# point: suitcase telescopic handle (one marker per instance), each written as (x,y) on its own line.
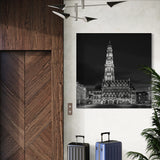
(79,136)
(103,134)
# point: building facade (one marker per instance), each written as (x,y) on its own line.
(117,92)
(143,97)
(113,91)
(81,94)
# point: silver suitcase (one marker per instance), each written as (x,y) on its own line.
(77,150)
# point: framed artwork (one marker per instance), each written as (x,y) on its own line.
(109,71)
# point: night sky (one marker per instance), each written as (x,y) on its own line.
(130,53)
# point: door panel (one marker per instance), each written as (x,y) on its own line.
(40,148)
(12,106)
(26,125)
(38,134)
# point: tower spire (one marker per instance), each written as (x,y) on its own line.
(109,64)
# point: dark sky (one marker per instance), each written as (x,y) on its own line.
(130,52)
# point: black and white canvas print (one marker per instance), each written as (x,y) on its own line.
(109,71)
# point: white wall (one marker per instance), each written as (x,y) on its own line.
(124,124)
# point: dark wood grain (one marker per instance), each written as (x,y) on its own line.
(38,121)
(40,149)
(30,122)
(57,116)
(12,106)
(30,25)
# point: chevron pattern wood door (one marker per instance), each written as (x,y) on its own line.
(38,136)
(12,106)
(26,122)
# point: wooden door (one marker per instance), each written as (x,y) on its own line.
(26,125)
(12,106)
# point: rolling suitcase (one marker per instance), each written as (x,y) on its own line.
(77,150)
(108,150)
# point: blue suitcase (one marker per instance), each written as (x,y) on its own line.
(108,150)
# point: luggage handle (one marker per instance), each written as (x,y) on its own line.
(79,136)
(103,134)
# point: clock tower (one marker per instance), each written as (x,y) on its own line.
(109,64)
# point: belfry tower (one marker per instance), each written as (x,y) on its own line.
(109,65)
